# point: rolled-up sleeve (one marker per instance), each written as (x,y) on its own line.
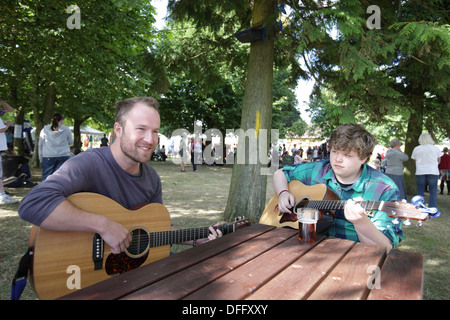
(390,227)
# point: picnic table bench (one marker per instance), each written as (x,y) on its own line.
(264,262)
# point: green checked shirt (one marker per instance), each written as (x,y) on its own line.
(372,185)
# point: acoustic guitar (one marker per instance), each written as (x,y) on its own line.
(66,261)
(319,197)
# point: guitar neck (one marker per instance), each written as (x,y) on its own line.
(340,204)
(162,238)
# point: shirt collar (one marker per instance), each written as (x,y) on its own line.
(358,186)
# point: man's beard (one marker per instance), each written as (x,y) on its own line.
(130,150)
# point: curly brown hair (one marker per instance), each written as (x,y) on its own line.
(353,137)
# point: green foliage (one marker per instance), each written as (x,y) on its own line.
(285,116)
(183,105)
(91,67)
(371,76)
(205,68)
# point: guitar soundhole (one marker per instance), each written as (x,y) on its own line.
(139,242)
(134,256)
(301,204)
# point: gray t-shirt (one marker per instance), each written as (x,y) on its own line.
(394,161)
(55,143)
(94,170)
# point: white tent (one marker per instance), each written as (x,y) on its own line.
(89,130)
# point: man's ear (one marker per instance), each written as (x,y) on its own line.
(118,129)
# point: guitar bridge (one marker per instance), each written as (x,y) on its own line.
(97,252)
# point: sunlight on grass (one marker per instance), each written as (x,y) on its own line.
(199,199)
(433,262)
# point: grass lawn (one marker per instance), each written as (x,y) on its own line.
(199,199)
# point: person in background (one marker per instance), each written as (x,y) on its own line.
(297,158)
(104,141)
(54,145)
(5,107)
(196,153)
(393,161)
(184,149)
(427,157)
(444,170)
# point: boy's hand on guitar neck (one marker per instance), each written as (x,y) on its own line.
(354,212)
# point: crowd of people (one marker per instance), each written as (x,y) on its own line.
(121,172)
(55,147)
(312,153)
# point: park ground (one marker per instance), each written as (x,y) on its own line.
(199,199)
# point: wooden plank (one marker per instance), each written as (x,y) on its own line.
(242,281)
(301,277)
(401,277)
(128,282)
(349,279)
(190,279)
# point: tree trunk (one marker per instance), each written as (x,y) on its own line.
(44,117)
(415,124)
(77,143)
(247,195)
(19,117)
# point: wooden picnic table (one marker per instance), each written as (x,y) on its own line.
(263,262)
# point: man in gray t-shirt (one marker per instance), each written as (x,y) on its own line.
(94,170)
(119,172)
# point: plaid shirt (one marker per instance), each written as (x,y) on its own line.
(372,185)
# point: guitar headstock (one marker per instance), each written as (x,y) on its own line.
(400,210)
(410,211)
(240,223)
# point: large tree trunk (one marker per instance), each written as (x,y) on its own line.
(415,124)
(77,143)
(19,116)
(44,117)
(247,193)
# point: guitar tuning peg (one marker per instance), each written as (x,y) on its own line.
(418,201)
(407,222)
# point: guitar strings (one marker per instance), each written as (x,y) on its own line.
(141,239)
(339,204)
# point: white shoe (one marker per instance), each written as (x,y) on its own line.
(6,199)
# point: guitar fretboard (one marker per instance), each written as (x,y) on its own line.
(338,204)
(162,238)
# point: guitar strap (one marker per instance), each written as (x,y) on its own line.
(18,286)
